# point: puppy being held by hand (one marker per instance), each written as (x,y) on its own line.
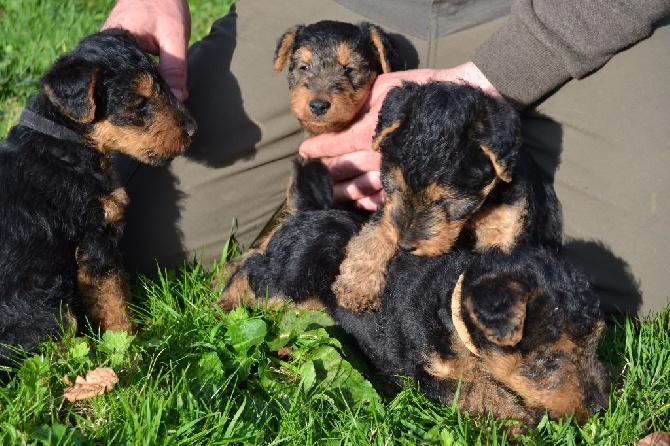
(453,174)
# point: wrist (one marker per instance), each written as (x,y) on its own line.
(470,74)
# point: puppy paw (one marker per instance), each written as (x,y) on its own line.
(360,285)
(237,292)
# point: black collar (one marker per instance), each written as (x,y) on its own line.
(47,127)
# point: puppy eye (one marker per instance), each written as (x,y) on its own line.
(303,68)
(347,69)
(141,103)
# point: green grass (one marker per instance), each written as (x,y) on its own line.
(194,375)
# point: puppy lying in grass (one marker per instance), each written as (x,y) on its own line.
(515,334)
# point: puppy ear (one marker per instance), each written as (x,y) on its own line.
(392,112)
(501,169)
(70,86)
(493,308)
(497,128)
(383,46)
(285,48)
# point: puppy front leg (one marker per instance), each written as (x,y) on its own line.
(360,284)
(102,281)
(106,297)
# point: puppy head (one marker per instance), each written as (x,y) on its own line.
(535,326)
(112,91)
(444,148)
(331,68)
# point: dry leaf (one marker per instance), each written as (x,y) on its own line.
(284,353)
(655,439)
(97,382)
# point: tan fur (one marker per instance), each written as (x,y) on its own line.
(145,85)
(377,42)
(560,395)
(283,54)
(360,283)
(445,233)
(377,142)
(114,205)
(499,226)
(461,329)
(164,137)
(499,168)
(345,100)
(464,366)
(484,396)
(88,117)
(237,292)
(107,299)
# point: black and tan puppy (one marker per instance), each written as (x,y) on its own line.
(518,331)
(453,174)
(61,207)
(303,255)
(331,68)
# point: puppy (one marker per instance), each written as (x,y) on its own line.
(61,207)
(453,175)
(331,69)
(514,334)
(303,256)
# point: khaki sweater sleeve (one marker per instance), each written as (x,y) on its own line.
(548,42)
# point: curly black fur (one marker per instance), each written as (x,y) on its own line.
(442,129)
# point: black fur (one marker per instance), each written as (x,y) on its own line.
(443,125)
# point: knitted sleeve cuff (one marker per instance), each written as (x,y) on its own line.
(518,65)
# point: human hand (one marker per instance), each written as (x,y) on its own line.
(161,27)
(348,155)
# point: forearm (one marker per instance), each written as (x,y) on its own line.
(547,42)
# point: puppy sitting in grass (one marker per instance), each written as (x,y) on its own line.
(453,175)
(61,206)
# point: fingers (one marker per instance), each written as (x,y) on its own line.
(353,164)
(357,137)
(358,188)
(161,27)
(356,178)
(370,203)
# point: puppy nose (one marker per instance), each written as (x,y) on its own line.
(597,403)
(190,128)
(407,246)
(319,106)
